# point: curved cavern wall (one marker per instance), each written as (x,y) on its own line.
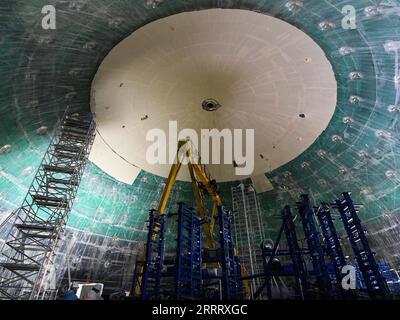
(44,71)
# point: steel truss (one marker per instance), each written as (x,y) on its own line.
(314,245)
(296,253)
(232,285)
(188,279)
(332,242)
(149,280)
(28,254)
(375,284)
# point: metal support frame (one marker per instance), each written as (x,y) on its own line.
(232,285)
(389,274)
(150,277)
(269,255)
(248,232)
(31,244)
(202,183)
(199,176)
(295,252)
(332,242)
(317,254)
(391,277)
(188,278)
(375,284)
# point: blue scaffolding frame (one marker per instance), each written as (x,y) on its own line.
(188,278)
(296,253)
(151,276)
(312,237)
(392,278)
(332,241)
(232,285)
(374,282)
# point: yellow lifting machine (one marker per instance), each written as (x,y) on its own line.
(202,183)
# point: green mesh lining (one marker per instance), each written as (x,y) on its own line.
(44,71)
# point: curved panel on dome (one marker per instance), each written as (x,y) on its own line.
(266,74)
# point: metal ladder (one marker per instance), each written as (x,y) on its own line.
(374,282)
(247,231)
(314,245)
(31,244)
(154,257)
(188,281)
(232,285)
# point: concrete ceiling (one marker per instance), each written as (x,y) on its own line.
(267,75)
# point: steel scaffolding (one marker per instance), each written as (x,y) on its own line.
(188,284)
(232,285)
(296,253)
(332,241)
(31,244)
(248,231)
(150,283)
(317,253)
(375,284)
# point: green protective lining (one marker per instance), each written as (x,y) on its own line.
(42,72)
